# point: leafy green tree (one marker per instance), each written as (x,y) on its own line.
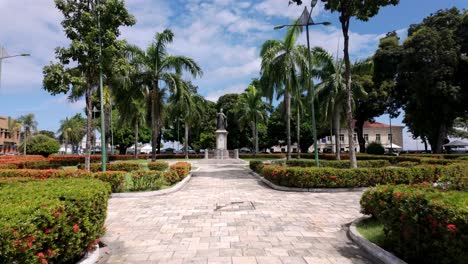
(29,124)
(48,133)
(91,43)
(132,111)
(282,63)
(252,111)
(362,10)
(42,145)
(158,69)
(236,138)
(429,84)
(460,128)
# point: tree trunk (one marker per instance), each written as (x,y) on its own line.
(256,136)
(89,124)
(298,134)
(424,140)
(159,141)
(154,121)
(108,131)
(349,98)
(360,135)
(336,128)
(288,124)
(186,138)
(331,137)
(441,136)
(135,154)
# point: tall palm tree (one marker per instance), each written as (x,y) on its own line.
(157,70)
(14,128)
(189,107)
(252,111)
(282,63)
(72,130)
(30,126)
(332,92)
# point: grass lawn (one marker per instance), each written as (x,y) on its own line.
(69,167)
(372,230)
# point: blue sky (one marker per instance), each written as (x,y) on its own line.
(224,36)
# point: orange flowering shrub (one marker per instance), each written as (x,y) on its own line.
(181,168)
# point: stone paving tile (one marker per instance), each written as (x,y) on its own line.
(224,215)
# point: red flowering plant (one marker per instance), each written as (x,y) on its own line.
(181,168)
(51,221)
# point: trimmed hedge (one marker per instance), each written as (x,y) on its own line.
(143,180)
(158,165)
(341,164)
(421,224)
(117,166)
(181,168)
(262,156)
(114,178)
(158,156)
(256,165)
(53,221)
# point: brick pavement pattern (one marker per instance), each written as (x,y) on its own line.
(225,215)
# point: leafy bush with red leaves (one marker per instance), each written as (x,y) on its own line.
(158,165)
(52,221)
(117,166)
(422,224)
(181,168)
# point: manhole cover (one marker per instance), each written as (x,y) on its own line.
(235,206)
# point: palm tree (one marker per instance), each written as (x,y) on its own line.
(282,62)
(72,130)
(156,70)
(252,111)
(189,107)
(30,126)
(332,89)
(14,128)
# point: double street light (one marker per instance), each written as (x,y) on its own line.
(306,20)
(4,55)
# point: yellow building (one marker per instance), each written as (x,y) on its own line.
(9,142)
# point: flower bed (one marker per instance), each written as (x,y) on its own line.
(52,221)
(362,177)
(114,178)
(422,224)
(144,180)
(262,156)
(158,156)
(181,168)
(158,165)
(340,164)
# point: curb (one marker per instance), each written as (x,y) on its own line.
(172,189)
(371,248)
(312,190)
(90,257)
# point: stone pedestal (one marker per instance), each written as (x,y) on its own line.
(236,154)
(206,153)
(221,139)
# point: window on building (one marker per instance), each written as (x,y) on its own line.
(341,138)
(354,137)
(328,139)
(377,138)
(366,137)
(324,140)
(390,138)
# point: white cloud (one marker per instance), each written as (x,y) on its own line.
(235,89)
(280,8)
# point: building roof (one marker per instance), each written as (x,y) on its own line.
(368,124)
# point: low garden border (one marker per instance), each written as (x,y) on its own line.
(371,248)
(90,257)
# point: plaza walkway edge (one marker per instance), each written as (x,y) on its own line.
(371,248)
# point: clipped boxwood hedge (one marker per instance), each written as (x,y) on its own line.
(421,224)
(158,165)
(341,164)
(262,156)
(52,221)
(144,180)
(117,166)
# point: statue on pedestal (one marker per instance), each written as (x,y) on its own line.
(221,120)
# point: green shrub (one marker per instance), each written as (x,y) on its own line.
(181,168)
(347,178)
(172,176)
(8,166)
(375,148)
(256,165)
(158,165)
(408,164)
(456,175)
(342,164)
(53,221)
(42,145)
(117,166)
(115,179)
(262,156)
(421,224)
(143,180)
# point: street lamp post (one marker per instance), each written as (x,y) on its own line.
(306,19)
(103,126)
(4,55)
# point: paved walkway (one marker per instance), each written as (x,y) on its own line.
(225,215)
